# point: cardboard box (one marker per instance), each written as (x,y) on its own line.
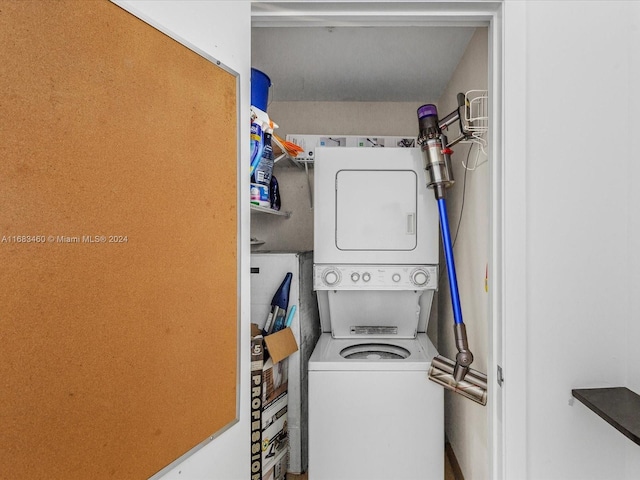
(269,400)
(278,470)
(275,436)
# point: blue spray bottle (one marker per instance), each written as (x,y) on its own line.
(261,157)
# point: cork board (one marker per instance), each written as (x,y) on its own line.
(118,244)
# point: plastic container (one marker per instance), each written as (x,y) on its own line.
(260,84)
(256,144)
(261,176)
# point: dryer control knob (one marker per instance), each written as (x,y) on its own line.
(366,277)
(420,277)
(395,277)
(331,277)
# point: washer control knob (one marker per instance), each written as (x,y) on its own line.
(395,277)
(331,277)
(420,277)
(355,276)
(366,277)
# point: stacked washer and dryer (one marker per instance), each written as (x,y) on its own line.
(373,413)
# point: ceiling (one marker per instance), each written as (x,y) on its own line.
(364,64)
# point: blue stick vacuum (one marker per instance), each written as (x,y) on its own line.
(456,376)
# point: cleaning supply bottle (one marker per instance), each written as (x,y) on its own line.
(255,137)
(261,157)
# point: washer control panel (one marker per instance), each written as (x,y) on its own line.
(375,277)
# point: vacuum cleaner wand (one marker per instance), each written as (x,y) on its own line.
(456,376)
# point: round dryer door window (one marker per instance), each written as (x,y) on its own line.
(375,351)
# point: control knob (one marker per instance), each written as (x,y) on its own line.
(331,277)
(420,277)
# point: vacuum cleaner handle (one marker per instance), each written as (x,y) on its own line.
(464,358)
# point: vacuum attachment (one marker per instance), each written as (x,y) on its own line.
(473,385)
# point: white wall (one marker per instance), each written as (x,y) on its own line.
(581,233)
(633,319)
(222,29)
(466,421)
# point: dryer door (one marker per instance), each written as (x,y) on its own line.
(376,210)
(372,206)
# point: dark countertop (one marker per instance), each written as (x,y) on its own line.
(619,406)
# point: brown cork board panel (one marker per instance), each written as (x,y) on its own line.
(118,244)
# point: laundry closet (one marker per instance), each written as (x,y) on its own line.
(369,82)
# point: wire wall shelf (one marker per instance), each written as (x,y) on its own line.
(476,124)
(477,111)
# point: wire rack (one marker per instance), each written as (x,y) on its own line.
(476,121)
(477,111)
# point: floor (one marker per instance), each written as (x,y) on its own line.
(448,472)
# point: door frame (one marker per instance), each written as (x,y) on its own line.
(507,413)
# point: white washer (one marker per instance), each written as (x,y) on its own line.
(374,418)
(373,413)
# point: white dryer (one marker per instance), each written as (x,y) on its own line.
(373,413)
